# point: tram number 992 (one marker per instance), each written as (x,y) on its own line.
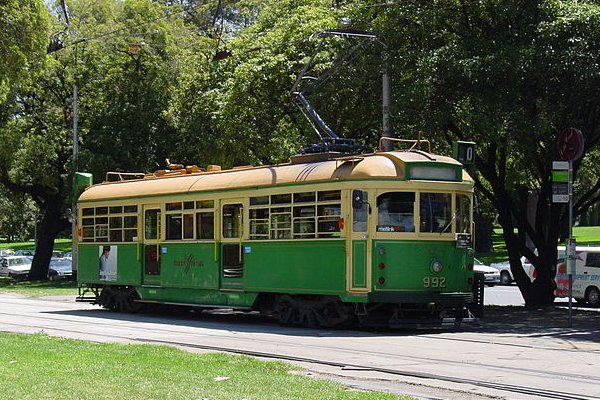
(434,282)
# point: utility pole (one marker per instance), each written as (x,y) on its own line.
(74,191)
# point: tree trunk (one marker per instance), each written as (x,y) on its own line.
(50,226)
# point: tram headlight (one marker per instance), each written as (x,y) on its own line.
(436,266)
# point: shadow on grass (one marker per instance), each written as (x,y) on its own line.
(37,288)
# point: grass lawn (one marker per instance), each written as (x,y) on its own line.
(41,367)
(59,244)
(583,234)
(37,289)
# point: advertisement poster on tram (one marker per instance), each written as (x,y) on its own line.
(107,263)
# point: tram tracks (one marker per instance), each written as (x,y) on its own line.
(55,325)
(530,391)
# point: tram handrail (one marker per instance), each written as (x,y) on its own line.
(416,142)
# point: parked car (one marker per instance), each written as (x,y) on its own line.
(6,252)
(506,276)
(586,279)
(60,268)
(491,275)
(28,253)
(15,266)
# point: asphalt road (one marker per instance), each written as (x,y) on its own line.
(505,359)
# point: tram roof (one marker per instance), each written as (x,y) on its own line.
(386,165)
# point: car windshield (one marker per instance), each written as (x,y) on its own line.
(60,265)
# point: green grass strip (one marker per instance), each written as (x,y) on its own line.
(42,367)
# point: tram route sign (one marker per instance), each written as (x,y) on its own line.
(464,152)
(560,182)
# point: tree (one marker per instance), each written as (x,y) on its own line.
(507,75)
(23,37)
(124,91)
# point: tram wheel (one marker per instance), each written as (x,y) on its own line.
(121,299)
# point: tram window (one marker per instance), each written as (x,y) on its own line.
(188,205)
(360,214)
(436,214)
(174,225)
(395,212)
(88,221)
(232,220)
(129,235)
(130,221)
(173,206)
(88,233)
(205,204)
(116,235)
(330,195)
(101,233)
(205,225)
(463,213)
(328,220)
(306,197)
(152,224)
(101,221)
(259,201)
(101,210)
(130,209)
(116,222)
(281,198)
(259,223)
(116,210)
(188,226)
(281,222)
(304,220)
(87,211)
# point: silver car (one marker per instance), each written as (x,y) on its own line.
(15,266)
(60,268)
(491,275)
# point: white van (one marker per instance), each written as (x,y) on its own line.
(586,280)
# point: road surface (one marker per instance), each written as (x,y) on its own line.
(505,359)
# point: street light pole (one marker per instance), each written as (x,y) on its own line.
(74,191)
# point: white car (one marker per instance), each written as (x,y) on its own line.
(15,266)
(506,276)
(586,279)
(491,275)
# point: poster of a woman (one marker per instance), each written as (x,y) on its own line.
(107,263)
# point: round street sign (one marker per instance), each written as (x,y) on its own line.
(570,144)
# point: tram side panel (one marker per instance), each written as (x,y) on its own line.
(307,267)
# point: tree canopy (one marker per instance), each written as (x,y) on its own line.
(208,82)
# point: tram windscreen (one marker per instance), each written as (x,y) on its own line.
(395,212)
(435,212)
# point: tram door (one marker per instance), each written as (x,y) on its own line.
(151,245)
(358,276)
(232,249)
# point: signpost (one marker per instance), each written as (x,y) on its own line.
(570,148)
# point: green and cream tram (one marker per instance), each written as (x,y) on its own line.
(378,239)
